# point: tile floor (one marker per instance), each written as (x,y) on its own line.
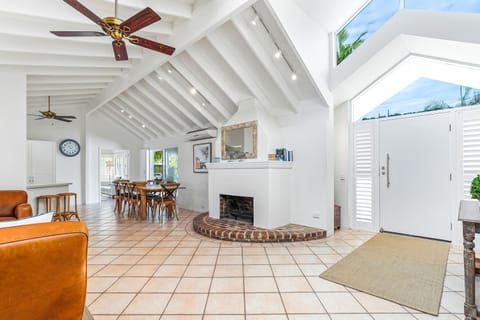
(146,270)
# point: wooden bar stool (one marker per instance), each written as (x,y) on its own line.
(51,202)
(64,207)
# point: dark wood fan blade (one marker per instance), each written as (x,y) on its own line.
(139,21)
(85,11)
(32,114)
(149,44)
(78,33)
(40,118)
(120,50)
(67,117)
(62,119)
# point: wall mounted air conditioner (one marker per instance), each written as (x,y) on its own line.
(202,134)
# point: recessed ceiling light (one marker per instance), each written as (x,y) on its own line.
(122,111)
(203,104)
(278,54)
(160,78)
(169,71)
(193,91)
(294,76)
(254,21)
(130,117)
(143,126)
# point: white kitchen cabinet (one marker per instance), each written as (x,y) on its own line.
(41,162)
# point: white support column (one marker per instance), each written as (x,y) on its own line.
(13,131)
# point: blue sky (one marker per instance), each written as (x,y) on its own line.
(418,95)
(377,12)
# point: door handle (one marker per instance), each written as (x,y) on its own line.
(388,170)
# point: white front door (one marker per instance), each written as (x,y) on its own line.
(415,180)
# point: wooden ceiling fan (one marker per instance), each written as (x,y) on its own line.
(119,30)
(52,115)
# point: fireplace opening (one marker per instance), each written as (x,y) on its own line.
(236,208)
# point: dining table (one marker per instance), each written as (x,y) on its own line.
(152,188)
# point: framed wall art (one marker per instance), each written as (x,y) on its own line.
(202,154)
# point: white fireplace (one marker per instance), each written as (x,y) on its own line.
(267,182)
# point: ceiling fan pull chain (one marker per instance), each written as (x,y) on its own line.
(116,8)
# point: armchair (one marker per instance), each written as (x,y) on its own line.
(44,271)
(13,205)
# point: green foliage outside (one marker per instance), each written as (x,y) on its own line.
(158,157)
(436,105)
(475,189)
(345,49)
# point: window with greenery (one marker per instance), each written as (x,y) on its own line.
(157,164)
(363,25)
(444,5)
(426,95)
(164,164)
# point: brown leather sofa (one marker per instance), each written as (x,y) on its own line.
(13,205)
(43,271)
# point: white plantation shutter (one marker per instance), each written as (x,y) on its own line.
(471,149)
(364,173)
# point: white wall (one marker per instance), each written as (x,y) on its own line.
(103,133)
(13,131)
(195,196)
(68,169)
(341,162)
(306,134)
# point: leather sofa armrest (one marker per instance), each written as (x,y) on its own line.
(23,210)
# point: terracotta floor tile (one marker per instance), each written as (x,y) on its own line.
(141,270)
(128,284)
(290,270)
(258,271)
(293,284)
(182,303)
(170,271)
(199,271)
(262,303)
(228,271)
(177,260)
(376,305)
(115,270)
(340,302)
(260,284)
(225,303)
(148,303)
(100,284)
(111,303)
(193,285)
(302,303)
(229,285)
(161,285)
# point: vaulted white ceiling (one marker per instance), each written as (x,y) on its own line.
(222,58)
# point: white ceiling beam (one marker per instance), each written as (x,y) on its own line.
(62,92)
(155,115)
(172,8)
(232,59)
(207,17)
(64,86)
(172,100)
(187,97)
(83,97)
(141,87)
(198,85)
(266,60)
(28,59)
(63,47)
(109,112)
(137,111)
(39,28)
(56,105)
(136,120)
(220,77)
(60,11)
(35,79)
(62,71)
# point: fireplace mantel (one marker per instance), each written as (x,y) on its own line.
(250,165)
(268,182)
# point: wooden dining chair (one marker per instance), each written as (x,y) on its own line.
(167,202)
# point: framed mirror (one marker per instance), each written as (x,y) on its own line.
(239,141)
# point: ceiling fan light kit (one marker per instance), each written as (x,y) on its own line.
(119,30)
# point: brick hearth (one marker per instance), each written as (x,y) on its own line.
(238,231)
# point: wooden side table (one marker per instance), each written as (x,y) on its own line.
(469,214)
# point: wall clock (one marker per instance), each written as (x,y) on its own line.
(69,147)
